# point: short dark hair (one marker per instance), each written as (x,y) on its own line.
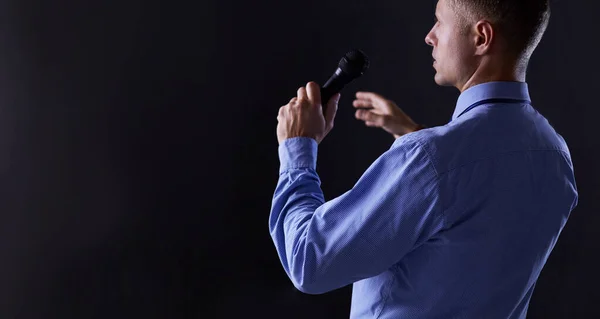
(521,22)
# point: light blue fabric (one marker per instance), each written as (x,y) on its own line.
(454,221)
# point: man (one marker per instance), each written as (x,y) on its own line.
(454,221)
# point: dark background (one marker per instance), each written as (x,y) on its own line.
(138,153)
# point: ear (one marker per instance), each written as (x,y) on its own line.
(484,36)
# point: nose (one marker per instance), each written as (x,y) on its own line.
(428,39)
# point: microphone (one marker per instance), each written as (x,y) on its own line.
(351,66)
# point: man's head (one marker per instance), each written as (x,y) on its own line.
(477,41)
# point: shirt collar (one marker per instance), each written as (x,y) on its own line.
(490,90)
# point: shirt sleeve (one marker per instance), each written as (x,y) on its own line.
(324,246)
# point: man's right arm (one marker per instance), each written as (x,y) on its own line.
(327,245)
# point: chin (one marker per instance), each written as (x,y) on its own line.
(441,81)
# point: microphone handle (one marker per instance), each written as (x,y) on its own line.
(334,85)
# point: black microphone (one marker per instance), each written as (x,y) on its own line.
(351,66)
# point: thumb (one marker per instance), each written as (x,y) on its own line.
(332,106)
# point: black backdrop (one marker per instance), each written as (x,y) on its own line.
(138,151)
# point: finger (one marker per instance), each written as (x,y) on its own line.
(367,116)
(361,114)
(293,100)
(332,107)
(362,103)
(314,93)
(302,93)
(369,96)
(377,101)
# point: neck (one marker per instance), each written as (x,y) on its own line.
(491,72)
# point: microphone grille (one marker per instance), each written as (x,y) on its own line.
(354,63)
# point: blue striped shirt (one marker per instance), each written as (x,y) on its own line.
(454,221)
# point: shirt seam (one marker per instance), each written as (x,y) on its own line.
(441,216)
(429,157)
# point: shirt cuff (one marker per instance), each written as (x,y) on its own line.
(298,152)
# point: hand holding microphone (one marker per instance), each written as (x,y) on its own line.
(303,115)
(311,113)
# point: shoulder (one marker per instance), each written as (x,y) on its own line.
(415,150)
(427,141)
(444,146)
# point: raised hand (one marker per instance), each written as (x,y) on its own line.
(377,111)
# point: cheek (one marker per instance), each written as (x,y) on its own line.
(445,47)
(454,50)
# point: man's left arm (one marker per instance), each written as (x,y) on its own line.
(324,246)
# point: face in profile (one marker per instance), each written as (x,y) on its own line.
(453,50)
